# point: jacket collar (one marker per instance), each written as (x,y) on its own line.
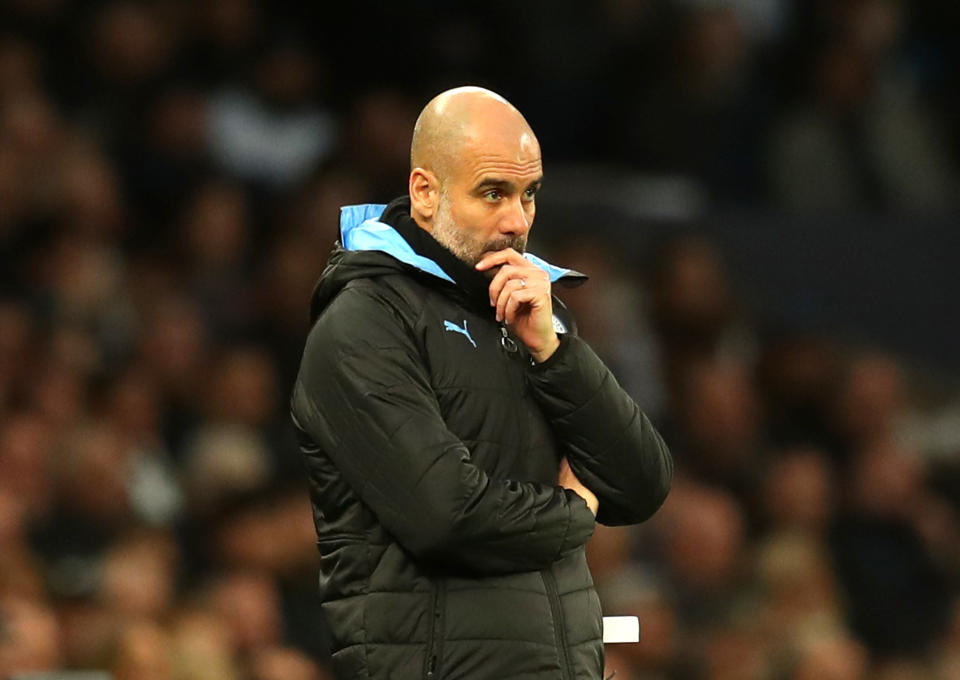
(361,229)
(390,229)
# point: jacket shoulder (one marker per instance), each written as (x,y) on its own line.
(397,294)
(369,312)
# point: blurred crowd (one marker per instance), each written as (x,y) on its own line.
(812,530)
(170,178)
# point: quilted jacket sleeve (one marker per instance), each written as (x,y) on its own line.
(363,395)
(611,445)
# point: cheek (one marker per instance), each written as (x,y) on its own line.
(476,220)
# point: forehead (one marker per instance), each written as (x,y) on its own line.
(512,155)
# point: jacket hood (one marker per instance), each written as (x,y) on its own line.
(377,239)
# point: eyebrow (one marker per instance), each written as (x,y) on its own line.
(494,183)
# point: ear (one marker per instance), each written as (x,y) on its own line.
(424,193)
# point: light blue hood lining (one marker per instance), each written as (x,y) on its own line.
(360,229)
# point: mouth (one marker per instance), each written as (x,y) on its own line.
(517,244)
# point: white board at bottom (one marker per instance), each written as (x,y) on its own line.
(621,629)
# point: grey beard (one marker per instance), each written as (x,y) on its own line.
(465,248)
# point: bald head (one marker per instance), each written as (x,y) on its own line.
(475,172)
(458,117)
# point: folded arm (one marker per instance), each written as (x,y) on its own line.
(364,396)
(610,444)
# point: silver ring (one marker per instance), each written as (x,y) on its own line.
(523,283)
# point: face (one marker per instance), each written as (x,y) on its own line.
(488,202)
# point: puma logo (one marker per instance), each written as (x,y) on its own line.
(450,326)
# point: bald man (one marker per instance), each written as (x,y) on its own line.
(461,440)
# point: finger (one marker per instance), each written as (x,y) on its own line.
(527,271)
(511,289)
(525,290)
(532,279)
(500,257)
(507,273)
(538,277)
(515,301)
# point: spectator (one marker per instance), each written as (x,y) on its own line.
(170,175)
(863,137)
(273,132)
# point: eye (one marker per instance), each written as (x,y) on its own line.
(493,195)
(530,193)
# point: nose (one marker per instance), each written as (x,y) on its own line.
(517,220)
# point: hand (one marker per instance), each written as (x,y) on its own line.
(520,291)
(568,480)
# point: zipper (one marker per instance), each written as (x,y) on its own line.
(506,341)
(515,353)
(511,346)
(559,625)
(435,638)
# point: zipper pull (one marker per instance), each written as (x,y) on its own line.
(506,341)
(431,666)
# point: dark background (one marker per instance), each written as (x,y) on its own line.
(764,193)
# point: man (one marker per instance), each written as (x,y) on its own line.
(459,447)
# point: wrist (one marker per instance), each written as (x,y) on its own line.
(543,353)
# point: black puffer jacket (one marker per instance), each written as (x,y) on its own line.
(433,444)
